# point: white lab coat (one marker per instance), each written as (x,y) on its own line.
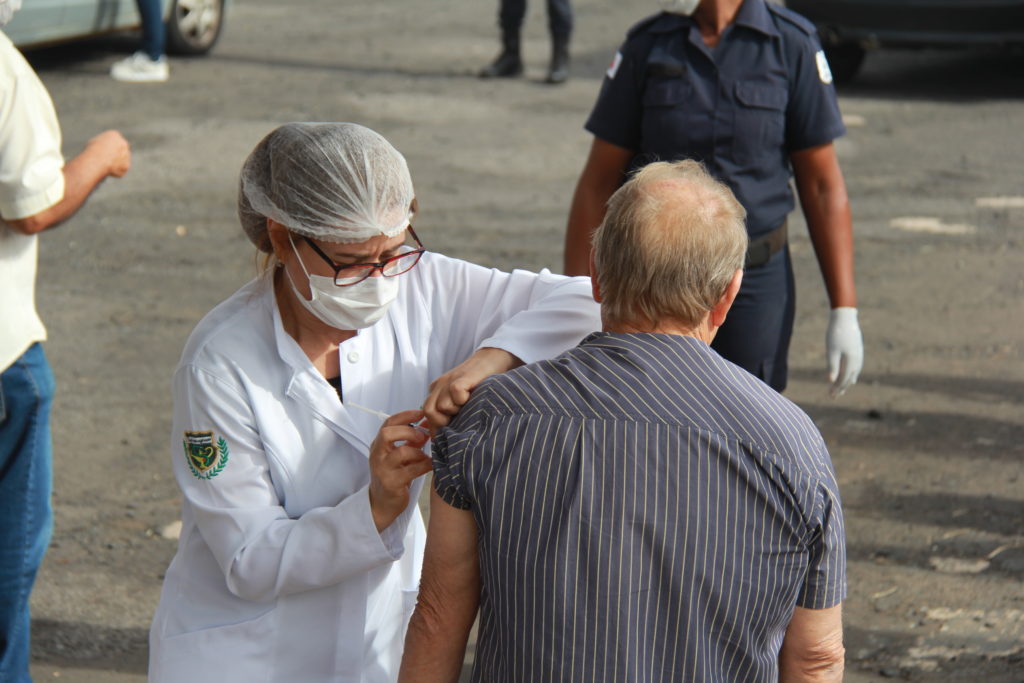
(280,574)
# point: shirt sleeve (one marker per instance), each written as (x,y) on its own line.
(533,316)
(223,471)
(452,450)
(31,165)
(617,113)
(812,116)
(825,585)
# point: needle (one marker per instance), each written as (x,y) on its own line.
(384,416)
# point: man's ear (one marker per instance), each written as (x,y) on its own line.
(718,313)
(594,287)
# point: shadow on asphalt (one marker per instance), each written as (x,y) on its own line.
(891,655)
(88,646)
(940,434)
(945,509)
(965,388)
(70,56)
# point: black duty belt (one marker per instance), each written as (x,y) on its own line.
(759,251)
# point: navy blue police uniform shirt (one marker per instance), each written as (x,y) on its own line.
(740,108)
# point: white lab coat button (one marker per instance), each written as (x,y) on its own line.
(353,356)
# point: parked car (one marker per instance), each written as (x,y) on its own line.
(193,26)
(850,27)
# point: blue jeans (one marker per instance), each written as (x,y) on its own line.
(26,393)
(152,28)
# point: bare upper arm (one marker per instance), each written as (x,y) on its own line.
(606,163)
(450,562)
(813,647)
(435,644)
(816,167)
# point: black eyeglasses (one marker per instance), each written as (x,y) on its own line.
(348,275)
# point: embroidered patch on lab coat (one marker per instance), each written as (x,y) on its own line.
(824,73)
(613,68)
(205,459)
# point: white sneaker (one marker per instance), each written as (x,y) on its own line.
(140,68)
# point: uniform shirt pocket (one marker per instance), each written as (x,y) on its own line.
(669,117)
(667,86)
(759,131)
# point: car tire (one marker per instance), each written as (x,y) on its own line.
(844,61)
(193,26)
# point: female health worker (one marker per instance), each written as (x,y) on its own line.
(301,541)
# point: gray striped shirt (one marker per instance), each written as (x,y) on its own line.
(647,511)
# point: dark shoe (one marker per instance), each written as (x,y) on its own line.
(507,65)
(559,71)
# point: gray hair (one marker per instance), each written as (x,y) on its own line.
(670,243)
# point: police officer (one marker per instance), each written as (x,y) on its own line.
(509,62)
(742,86)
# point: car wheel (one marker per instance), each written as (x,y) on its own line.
(844,60)
(193,26)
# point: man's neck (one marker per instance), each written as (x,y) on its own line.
(701,331)
(713,17)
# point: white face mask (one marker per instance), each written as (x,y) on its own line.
(346,308)
(7,9)
(686,7)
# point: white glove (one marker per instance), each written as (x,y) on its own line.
(845,349)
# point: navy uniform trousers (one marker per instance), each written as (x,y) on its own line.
(759,325)
(512,13)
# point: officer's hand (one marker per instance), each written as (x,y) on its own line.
(845,349)
(451,390)
(114,150)
(396,458)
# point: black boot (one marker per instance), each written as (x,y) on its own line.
(559,71)
(508,64)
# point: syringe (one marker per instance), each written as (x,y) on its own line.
(384,416)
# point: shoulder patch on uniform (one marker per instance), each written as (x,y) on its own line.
(205,458)
(824,72)
(613,68)
(798,20)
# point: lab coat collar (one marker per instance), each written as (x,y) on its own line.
(308,386)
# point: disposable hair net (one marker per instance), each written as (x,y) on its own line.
(336,182)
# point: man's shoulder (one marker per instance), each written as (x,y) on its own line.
(771,420)
(533,378)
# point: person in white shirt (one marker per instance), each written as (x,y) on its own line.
(301,542)
(38,191)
